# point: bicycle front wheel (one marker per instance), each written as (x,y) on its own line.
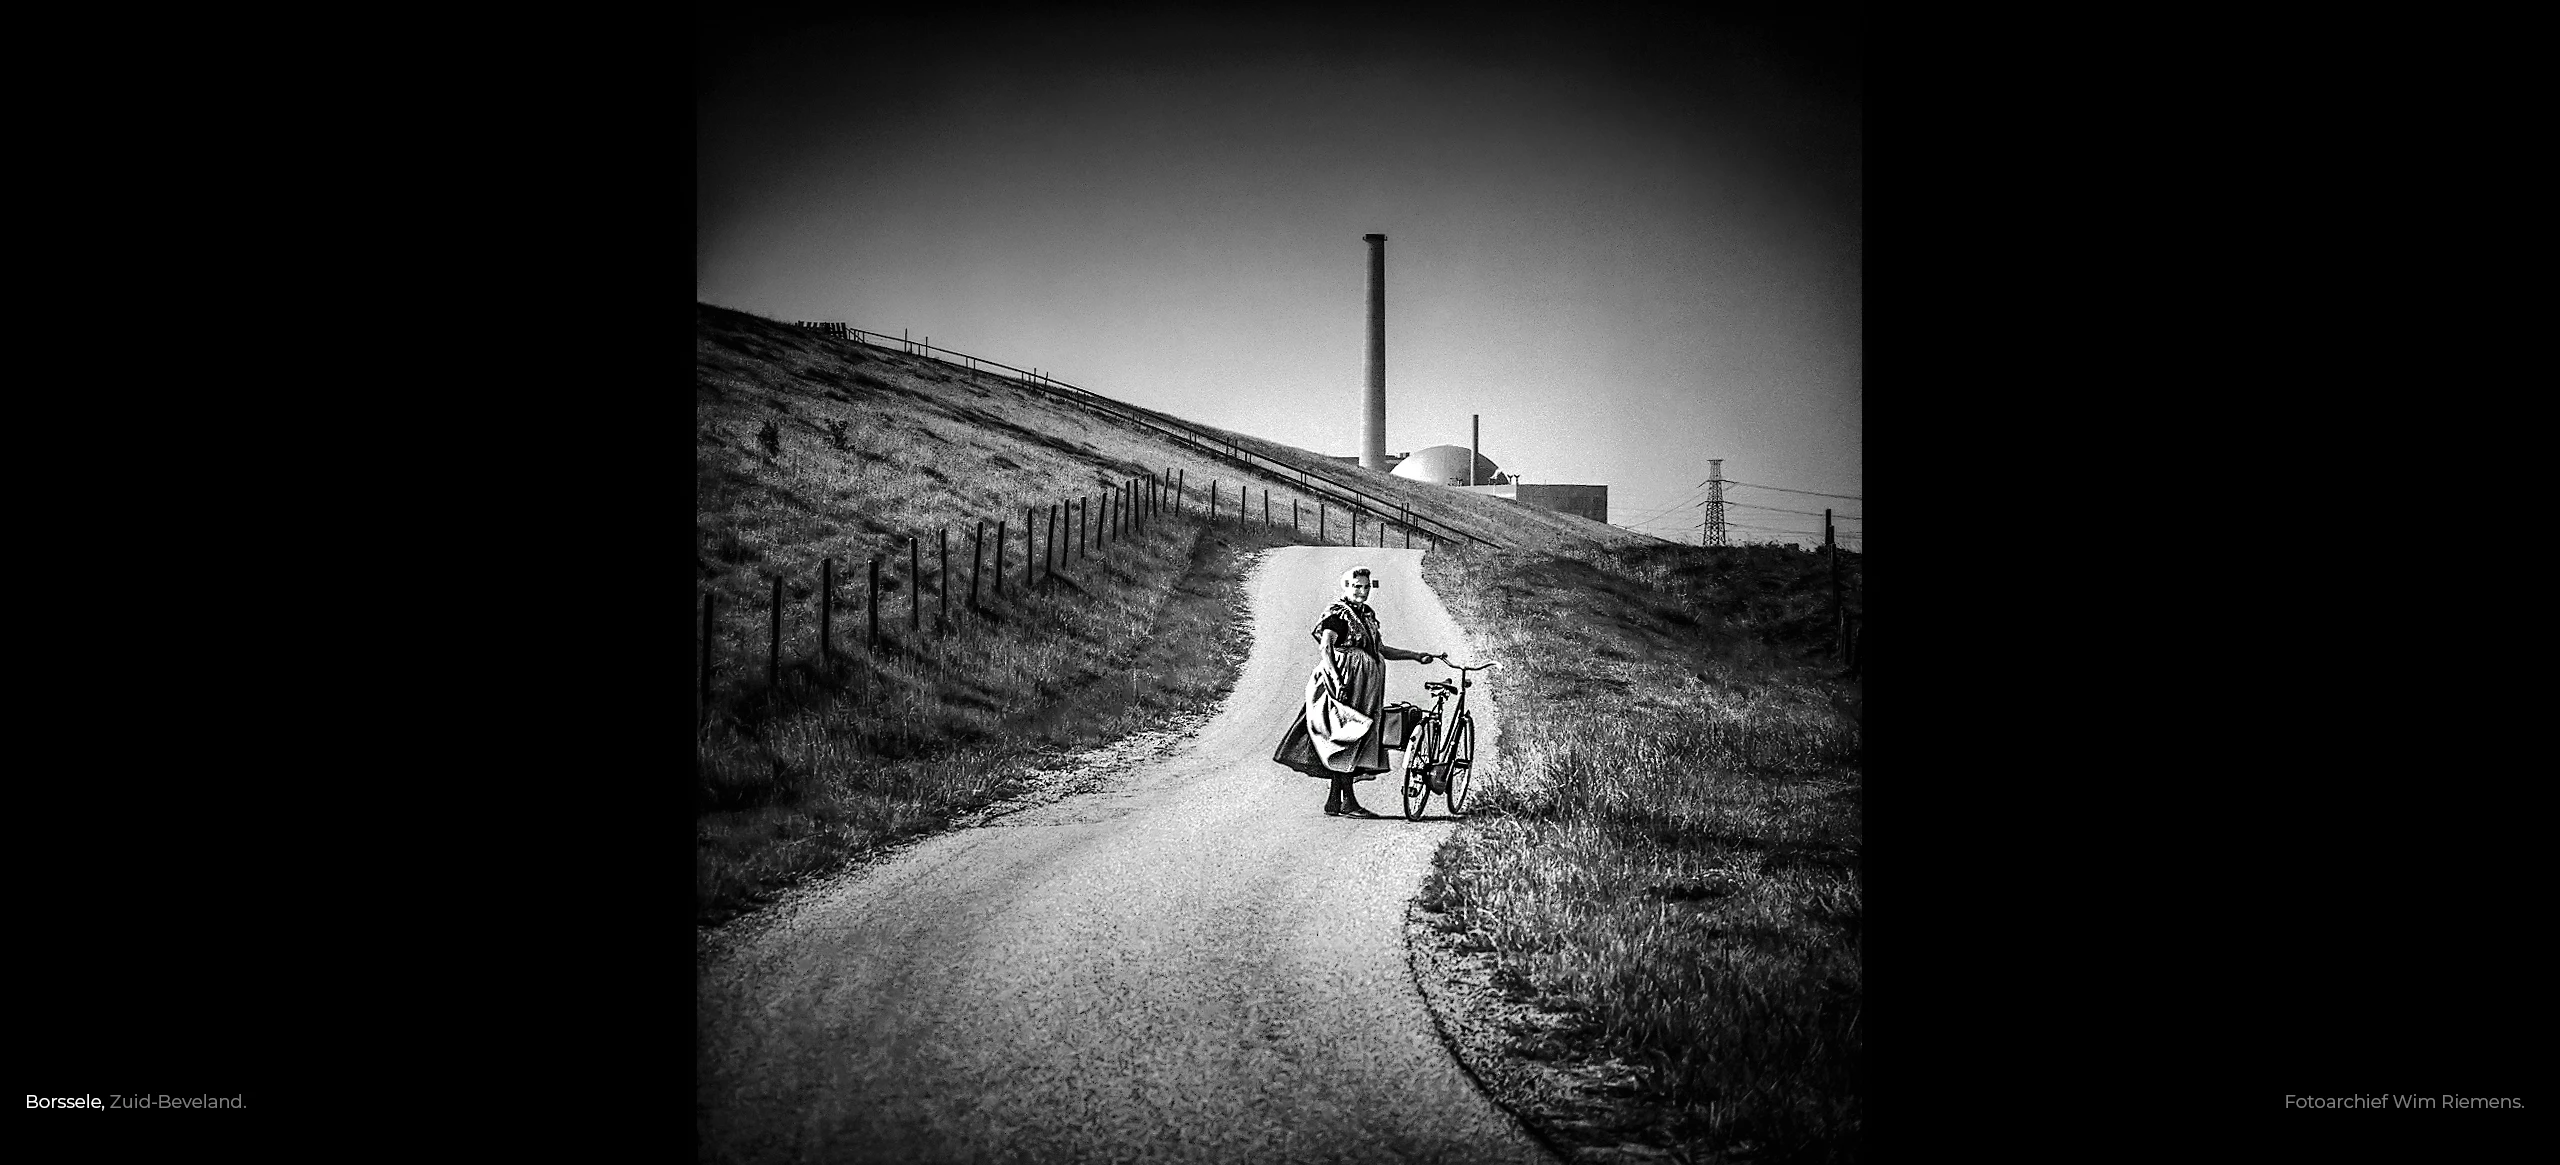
(1462,765)
(1418,754)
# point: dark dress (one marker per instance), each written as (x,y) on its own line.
(1364,680)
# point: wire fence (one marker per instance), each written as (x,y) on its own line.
(1056,538)
(1070,531)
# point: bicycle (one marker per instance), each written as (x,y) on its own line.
(1442,760)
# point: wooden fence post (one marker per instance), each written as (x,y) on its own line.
(1177,494)
(1049,559)
(874,605)
(1266,507)
(1028,562)
(915,591)
(1319,523)
(1084,507)
(999,557)
(706,653)
(942,580)
(826,610)
(773,656)
(1293,517)
(1213,499)
(977,552)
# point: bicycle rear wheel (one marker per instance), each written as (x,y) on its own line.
(1462,765)
(1418,754)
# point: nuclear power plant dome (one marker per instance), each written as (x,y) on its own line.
(1447,465)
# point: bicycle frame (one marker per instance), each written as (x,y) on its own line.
(1444,744)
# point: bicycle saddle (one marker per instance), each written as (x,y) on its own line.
(1440,686)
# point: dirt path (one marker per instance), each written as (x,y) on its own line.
(1188,963)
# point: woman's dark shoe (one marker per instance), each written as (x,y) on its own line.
(1354,809)
(1333,810)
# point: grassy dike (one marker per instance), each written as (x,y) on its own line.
(808,448)
(884,746)
(1664,880)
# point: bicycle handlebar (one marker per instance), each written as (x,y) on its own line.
(1466,666)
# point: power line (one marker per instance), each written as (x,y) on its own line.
(1785,490)
(1682,504)
(1806,513)
(1674,520)
(1807,492)
(1780,530)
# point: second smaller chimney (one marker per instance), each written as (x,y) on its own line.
(1475,445)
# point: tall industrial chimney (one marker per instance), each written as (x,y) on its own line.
(1475,445)
(1373,425)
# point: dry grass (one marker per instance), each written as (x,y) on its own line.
(846,760)
(1671,861)
(955,704)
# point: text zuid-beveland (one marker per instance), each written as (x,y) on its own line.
(164,1100)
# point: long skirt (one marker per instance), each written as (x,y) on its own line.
(1364,682)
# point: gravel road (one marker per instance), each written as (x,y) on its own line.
(1189,963)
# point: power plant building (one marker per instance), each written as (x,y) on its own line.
(1581,501)
(1447,465)
(1455,466)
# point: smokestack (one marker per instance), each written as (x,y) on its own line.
(1475,445)
(1373,425)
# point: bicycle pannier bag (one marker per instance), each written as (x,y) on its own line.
(1396,723)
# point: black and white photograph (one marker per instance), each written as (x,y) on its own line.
(1280,588)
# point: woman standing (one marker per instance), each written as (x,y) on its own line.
(1350,677)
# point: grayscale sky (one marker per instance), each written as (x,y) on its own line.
(1630,240)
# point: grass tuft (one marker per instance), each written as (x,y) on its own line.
(1670,861)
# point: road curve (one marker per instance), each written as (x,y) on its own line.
(1192,963)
